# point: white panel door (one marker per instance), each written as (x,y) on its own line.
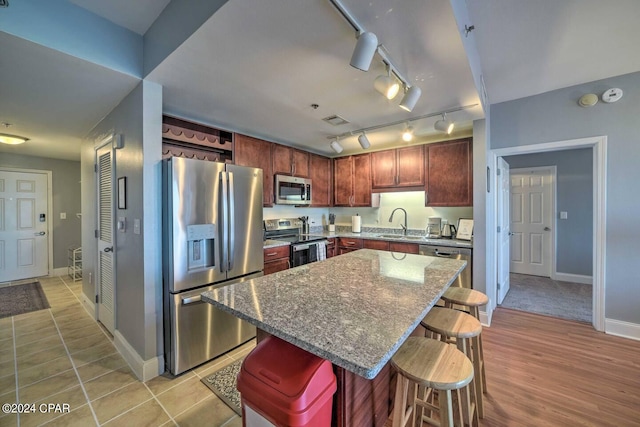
(24,245)
(106,267)
(531,219)
(504,229)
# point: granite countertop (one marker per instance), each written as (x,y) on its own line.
(354,310)
(271,243)
(421,240)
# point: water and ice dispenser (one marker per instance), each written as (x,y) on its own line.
(201,246)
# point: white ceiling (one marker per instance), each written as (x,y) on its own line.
(256,66)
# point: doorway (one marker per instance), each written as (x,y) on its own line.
(597,147)
(25,224)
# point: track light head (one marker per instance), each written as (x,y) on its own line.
(335,145)
(407,135)
(365,49)
(444,125)
(410,98)
(364,141)
(387,85)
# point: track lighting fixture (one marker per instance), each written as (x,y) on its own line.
(407,135)
(365,49)
(335,145)
(410,98)
(364,141)
(444,125)
(387,85)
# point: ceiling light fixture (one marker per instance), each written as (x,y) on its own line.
(407,135)
(12,139)
(406,122)
(410,98)
(444,125)
(364,141)
(365,49)
(387,85)
(335,145)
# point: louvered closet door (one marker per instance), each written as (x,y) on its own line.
(106,268)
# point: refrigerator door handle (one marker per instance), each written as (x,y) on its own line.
(231,221)
(224,219)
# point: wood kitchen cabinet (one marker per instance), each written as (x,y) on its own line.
(331,247)
(320,172)
(449,173)
(348,244)
(405,248)
(380,245)
(399,168)
(256,153)
(290,161)
(352,180)
(276,259)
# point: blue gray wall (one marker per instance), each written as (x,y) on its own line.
(555,116)
(65,175)
(574,194)
(138,118)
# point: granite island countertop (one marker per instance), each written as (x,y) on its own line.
(354,310)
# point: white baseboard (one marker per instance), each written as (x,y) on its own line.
(622,329)
(144,369)
(88,305)
(574,278)
(62,271)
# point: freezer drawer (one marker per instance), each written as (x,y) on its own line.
(196,331)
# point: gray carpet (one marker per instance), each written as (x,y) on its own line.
(20,299)
(543,295)
(223,384)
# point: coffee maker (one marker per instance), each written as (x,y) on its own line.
(434,224)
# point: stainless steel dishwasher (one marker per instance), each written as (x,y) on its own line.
(464,279)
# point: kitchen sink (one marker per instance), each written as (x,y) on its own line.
(399,236)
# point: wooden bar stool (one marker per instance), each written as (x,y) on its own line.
(472,299)
(435,365)
(466,329)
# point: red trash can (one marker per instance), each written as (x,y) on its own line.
(286,386)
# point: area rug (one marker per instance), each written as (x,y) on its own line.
(543,295)
(20,299)
(223,384)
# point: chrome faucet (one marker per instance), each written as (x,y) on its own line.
(404,227)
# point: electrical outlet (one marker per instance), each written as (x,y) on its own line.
(563,215)
(63,215)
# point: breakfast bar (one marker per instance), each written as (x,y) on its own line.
(354,310)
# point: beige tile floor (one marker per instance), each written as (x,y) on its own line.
(63,356)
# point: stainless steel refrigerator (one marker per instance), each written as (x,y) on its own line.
(213,232)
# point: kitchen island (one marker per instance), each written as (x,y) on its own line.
(354,310)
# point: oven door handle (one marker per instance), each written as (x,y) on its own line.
(298,248)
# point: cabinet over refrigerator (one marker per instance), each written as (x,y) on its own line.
(212,236)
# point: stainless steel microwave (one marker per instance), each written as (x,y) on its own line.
(291,190)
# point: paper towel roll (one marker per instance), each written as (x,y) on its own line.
(356,224)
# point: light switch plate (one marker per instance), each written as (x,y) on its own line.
(136,226)
(63,215)
(563,215)
(122,224)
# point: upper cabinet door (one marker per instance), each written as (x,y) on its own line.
(321,180)
(256,153)
(449,177)
(342,181)
(410,169)
(362,180)
(290,161)
(399,168)
(383,169)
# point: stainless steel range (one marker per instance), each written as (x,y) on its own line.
(304,248)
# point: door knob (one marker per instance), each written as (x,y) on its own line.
(41,233)
(109,249)
(547,229)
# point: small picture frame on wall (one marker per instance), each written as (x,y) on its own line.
(122,192)
(465,229)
